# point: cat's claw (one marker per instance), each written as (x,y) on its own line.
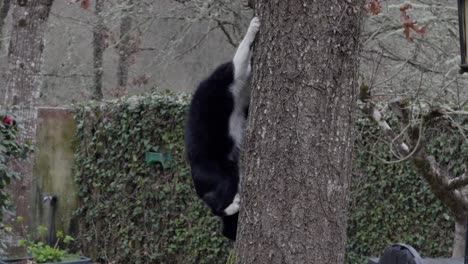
(254,25)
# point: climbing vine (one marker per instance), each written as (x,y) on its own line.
(132,212)
(392,203)
(10,148)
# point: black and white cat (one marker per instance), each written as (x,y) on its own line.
(213,133)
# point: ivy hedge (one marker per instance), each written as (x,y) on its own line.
(131,212)
(391,202)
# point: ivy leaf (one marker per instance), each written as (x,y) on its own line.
(59,234)
(68,239)
(41,229)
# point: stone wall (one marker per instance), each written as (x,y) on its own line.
(52,174)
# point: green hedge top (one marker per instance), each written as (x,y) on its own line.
(391,202)
(132,212)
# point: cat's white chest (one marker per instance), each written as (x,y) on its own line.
(236,127)
(237,118)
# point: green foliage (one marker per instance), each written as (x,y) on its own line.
(135,213)
(10,148)
(43,253)
(131,212)
(232,257)
(392,203)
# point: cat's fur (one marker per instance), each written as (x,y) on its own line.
(213,134)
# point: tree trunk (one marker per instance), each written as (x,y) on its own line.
(4,9)
(298,146)
(24,81)
(98,50)
(458,250)
(125,47)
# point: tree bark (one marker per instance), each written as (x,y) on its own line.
(98,51)
(298,145)
(458,250)
(125,47)
(24,81)
(4,9)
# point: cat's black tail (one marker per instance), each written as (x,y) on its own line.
(230,226)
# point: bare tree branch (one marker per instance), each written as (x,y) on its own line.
(459,182)
(371,111)
(440,181)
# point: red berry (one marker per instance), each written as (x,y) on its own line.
(7,120)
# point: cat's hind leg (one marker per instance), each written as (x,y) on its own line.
(230,226)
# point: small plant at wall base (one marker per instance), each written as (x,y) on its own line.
(39,252)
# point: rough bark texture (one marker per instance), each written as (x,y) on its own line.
(125,47)
(298,145)
(4,9)
(98,50)
(459,238)
(24,81)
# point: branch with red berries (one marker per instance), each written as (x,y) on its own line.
(374,7)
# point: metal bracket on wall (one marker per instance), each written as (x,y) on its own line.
(156,157)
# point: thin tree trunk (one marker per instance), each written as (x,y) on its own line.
(24,81)
(4,9)
(98,52)
(298,146)
(459,238)
(459,235)
(125,47)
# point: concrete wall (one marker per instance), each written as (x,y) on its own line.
(53,169)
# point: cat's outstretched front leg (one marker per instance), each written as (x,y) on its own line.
(239,90)
(243,54)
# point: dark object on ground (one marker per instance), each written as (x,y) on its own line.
(404,254)
(400,254)
(428,261)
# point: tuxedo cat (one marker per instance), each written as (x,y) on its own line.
(213,133)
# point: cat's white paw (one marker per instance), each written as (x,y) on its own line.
(237,198)
(234,207)
(254,25)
